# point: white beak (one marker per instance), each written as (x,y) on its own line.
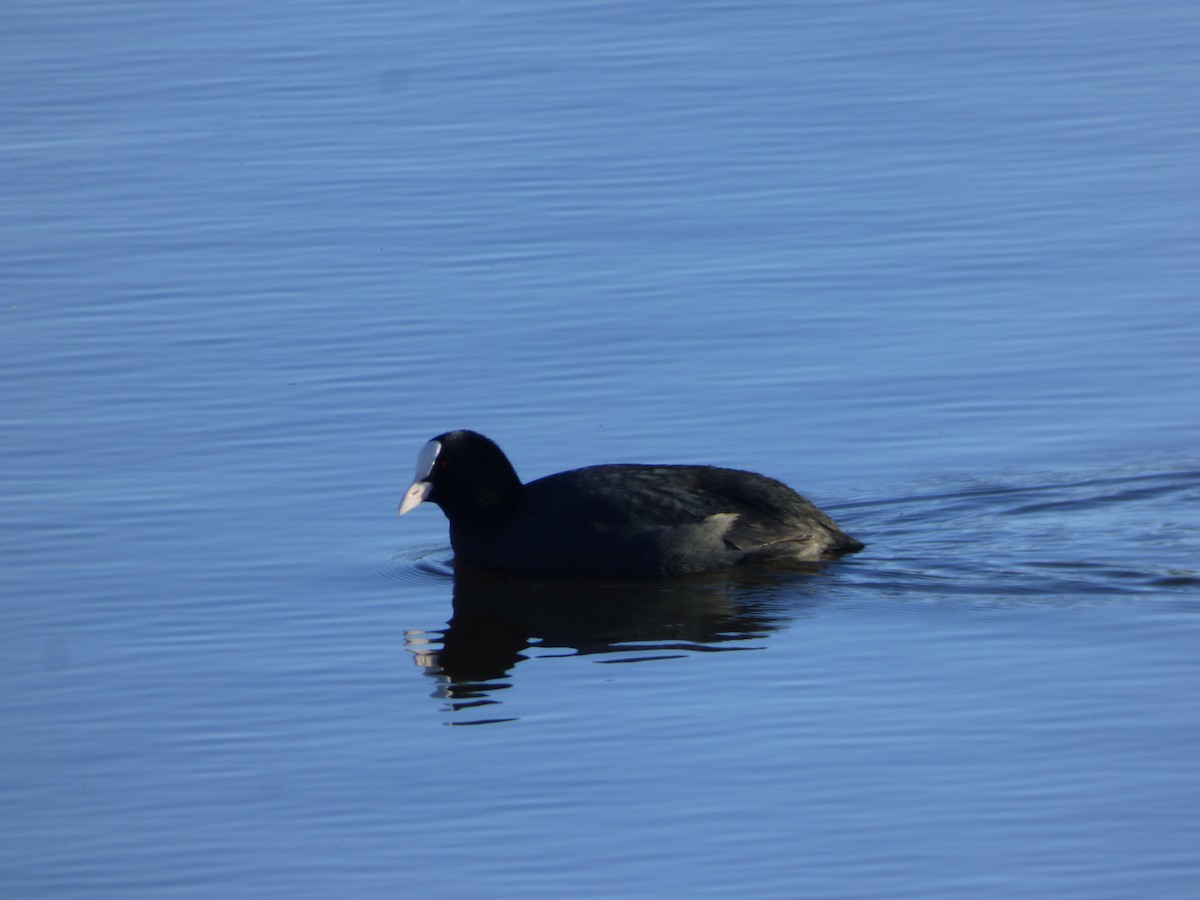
(416,492)
(420,488)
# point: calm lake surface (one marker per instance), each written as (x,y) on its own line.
(936,268)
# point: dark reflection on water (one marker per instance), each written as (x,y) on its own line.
(499,620)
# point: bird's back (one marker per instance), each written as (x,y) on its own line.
(647,520)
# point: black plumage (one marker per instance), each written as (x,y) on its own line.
(620,520)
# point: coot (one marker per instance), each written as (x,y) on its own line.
(615,520)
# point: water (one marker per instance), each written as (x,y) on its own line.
(934,268)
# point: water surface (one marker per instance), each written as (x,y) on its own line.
(935,268)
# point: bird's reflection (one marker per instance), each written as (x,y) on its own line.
(499,620)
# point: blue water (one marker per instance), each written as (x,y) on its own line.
(934,267)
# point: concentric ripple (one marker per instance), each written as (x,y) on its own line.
(420,565)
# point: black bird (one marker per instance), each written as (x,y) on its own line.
(615,520)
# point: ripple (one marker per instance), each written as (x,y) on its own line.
(420,565)
(1177,581)
(1032,494)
